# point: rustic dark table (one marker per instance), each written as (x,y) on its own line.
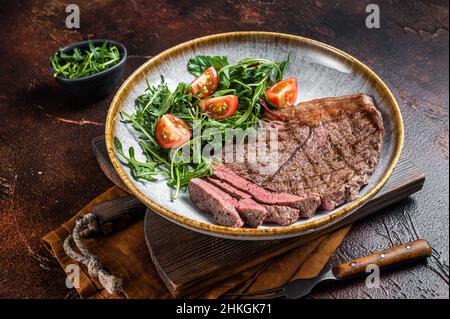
(48,172)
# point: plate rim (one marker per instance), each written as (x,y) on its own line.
(242,233)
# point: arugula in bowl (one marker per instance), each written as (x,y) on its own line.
(80,63)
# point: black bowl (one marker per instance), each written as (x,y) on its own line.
(96,85)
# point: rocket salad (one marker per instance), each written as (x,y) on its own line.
(222,96)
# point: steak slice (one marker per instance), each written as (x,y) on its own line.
(306,205)
(228,188)
(217,203)
(253,213)
(227,211)
(282,215)
(341,153)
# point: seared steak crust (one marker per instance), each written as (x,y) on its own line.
(288,139)
(340,154)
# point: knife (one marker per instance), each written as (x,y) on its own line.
(299,288)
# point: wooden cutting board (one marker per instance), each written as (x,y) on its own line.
(188,261)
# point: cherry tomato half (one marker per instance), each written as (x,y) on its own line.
(171,131)
(283,93)
(207,82)
(220,107)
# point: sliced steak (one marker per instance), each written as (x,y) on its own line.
(227,210)
(281,215)
(327,150)
(252,213)
(328,147)
(306,205)
(278,214)
(209,200)
(228,188)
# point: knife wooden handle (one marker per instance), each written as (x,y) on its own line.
(404,253)
(117,213)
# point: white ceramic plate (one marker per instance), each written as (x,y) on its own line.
(321,70)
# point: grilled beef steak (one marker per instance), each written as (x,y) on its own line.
(340,154)
(327,150)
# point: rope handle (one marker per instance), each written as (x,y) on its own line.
(86,226)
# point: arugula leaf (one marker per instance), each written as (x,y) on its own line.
(248,79)
(200,63)
(139,170)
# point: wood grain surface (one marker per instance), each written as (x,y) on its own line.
(48,171)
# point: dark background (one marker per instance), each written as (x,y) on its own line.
(48,172)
